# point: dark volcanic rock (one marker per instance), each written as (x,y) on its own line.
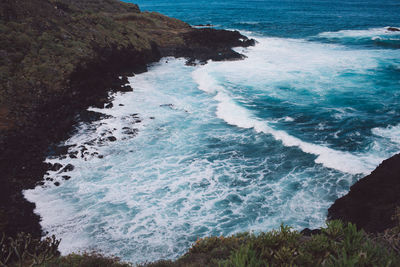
(309,232)
(372,201)
(204,44)
(55,167)
(204,25)
(67,168)
(111,139)
(393,29)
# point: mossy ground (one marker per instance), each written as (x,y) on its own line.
(43,42)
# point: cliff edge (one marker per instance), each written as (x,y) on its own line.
(372,201)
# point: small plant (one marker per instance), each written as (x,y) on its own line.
(23,250)
(338,244)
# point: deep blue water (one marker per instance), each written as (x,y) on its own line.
(234,146)
(283,18)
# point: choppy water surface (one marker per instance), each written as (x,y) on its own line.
(232,146)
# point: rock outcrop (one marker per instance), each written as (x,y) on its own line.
(393,29)
(372,201)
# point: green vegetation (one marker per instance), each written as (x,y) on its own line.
(44,42)
(338,244)
(24,250)
(86,260)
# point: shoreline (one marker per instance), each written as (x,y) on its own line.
(40,126)
(24,150)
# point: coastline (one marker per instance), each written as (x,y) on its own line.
(25,149)
(40,124)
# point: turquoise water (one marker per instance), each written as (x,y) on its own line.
(234,146)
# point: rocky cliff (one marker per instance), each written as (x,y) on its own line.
(372,201)
(57,57)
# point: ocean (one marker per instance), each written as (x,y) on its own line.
(233,146)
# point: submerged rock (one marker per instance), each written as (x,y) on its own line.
(66,177)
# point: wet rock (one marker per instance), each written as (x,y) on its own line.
(58,151)
(130,131)
(55,167)
(91,142)
(109,105)
(91,116)
(67,168)
(111,139)
(126,88)
(57,183)
(204,25)
(393,29)
(83,149)
(73,155)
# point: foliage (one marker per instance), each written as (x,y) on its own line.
(87,260)
(44,42)
(338,244)
(23,250)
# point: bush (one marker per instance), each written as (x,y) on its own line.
(86,260)
(338,244)
(23,250)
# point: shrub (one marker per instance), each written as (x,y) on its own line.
(338,244)
(23,250)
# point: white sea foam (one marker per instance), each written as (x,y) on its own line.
(372,33)
(188,173)
(150,197)
(264,66)
(343,161)
(391,132)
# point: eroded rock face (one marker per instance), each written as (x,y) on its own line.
(372,201)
